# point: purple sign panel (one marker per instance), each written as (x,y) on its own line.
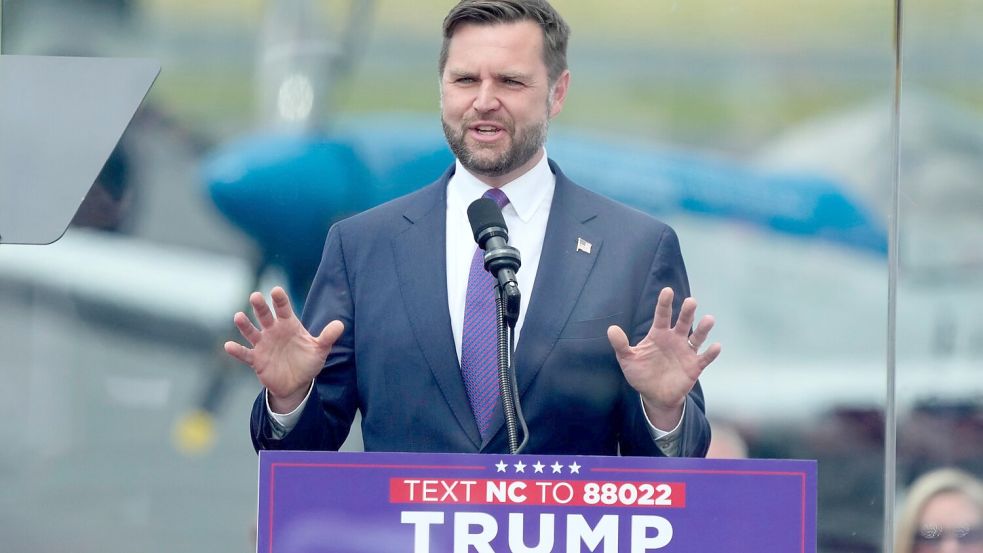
(463,503)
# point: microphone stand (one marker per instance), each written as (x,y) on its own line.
(507,313)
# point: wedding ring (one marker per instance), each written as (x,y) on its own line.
(692,345)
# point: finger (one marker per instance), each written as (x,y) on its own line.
(686,315)
(240,352)
(246,328)
(281,303)
(709,355)
(619,340)
(331,333)
(262,311)
(702,331)
(663,310)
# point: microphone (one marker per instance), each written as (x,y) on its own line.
(501,259)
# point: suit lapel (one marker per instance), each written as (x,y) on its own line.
(421,258)
(560,279)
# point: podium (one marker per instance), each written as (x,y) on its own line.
(462,503)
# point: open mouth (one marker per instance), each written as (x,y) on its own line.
(487,129)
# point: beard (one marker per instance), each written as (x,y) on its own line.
(523,145)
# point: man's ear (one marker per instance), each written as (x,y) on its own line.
(559,93)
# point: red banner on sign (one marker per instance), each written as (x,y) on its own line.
(580,493)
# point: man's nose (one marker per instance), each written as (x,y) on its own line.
(486,98)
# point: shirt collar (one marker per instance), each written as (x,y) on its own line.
(525,193)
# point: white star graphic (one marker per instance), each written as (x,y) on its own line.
(520,467)
(538,467)
(557,468)
(575,468)
(501,466)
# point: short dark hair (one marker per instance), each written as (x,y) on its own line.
(556,32)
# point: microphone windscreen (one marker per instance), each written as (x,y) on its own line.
(484,213)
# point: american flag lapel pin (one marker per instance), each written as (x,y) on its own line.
(583,245)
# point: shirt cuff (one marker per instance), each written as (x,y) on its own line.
(282,424)
(666,441)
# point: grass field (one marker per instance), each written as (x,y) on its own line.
(707,72)
(757,20)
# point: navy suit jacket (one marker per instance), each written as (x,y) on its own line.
(383,275)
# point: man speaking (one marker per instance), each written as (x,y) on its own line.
(395,324)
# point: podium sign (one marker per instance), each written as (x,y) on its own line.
(461,503)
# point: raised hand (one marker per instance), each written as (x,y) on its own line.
(665,364)
(284,356)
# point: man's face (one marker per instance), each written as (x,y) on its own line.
(496,101)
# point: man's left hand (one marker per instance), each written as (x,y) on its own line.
(665,364)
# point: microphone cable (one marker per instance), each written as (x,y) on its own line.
(507,381)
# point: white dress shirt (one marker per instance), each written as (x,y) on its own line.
(530,197)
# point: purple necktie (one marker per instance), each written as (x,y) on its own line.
(479,341)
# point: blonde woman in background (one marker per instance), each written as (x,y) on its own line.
(943,513)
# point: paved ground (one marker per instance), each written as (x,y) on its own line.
(89,463)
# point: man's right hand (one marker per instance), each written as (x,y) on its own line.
(284,356)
